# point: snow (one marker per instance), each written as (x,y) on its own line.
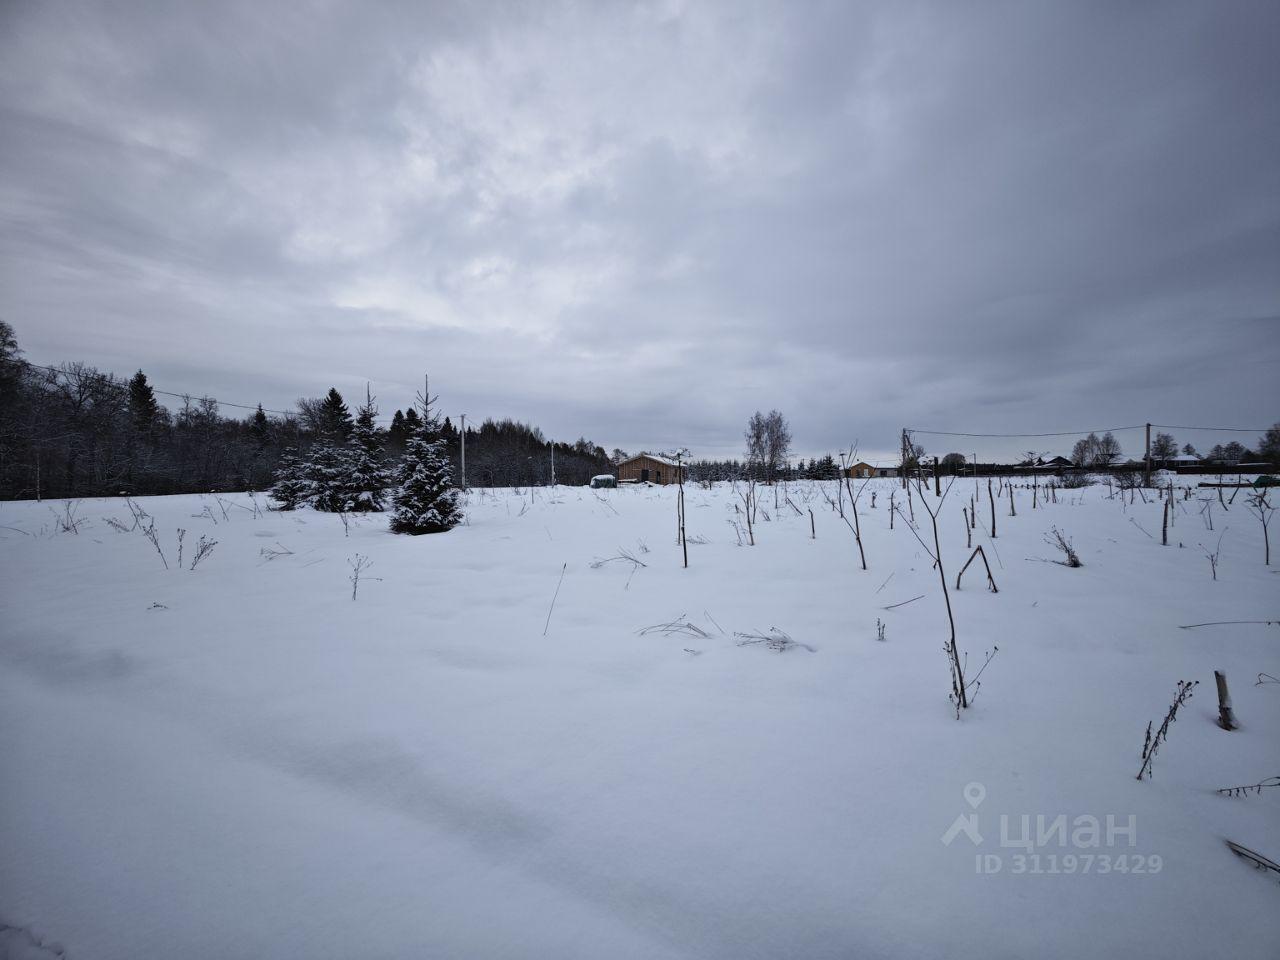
(242,761)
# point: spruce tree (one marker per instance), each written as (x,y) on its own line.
(396,434)
(329,477)
(259,427)
(291,489)
(426,501)
(368,478)
(335,418)
(143,409)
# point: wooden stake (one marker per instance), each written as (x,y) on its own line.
(1226,719)
(978,552)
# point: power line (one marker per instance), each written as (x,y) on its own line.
(1166,426)
(1075,433)
(110,378)
(1021,436)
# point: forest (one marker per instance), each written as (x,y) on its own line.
(72,430)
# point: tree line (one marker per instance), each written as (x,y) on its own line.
(76,431)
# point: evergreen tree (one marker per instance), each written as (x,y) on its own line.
(291,489)
(260,428)
(335,418)
(143,409)
(330,478)
(368,479)
(427,501)
(396,434)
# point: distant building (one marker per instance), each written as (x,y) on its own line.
(649,468)
(1040,465)
(859,470)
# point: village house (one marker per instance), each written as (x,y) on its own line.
(649,468)
(861,470)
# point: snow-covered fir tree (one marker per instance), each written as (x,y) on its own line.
(334,417)
(330,476)
(426,501)
(368,476)
(291,489)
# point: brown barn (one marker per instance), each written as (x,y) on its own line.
(648,468)
(860,469)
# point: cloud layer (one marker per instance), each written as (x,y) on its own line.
(641,222)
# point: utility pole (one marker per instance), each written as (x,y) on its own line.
(684,544)
(1146,481)
(553,463)
(464,451)
(903,470)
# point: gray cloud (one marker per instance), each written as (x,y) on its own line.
(640,222)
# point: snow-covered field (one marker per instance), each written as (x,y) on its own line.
(242,761)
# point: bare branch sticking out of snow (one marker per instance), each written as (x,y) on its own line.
(203,548)
(775,640)
(1245,790)
(1056,538)
(270,553)
(67,521)
(679,626)
(624,556)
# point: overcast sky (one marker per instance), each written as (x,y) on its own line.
(641,222)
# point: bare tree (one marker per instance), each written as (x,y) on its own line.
(1108,450)
(768,439)
(1095,451)
(1163,447)
(1269,444)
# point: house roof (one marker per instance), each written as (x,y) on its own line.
(650,456)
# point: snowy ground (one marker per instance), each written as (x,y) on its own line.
(240,761)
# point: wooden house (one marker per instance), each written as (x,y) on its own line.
(860,470)
(649,468)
